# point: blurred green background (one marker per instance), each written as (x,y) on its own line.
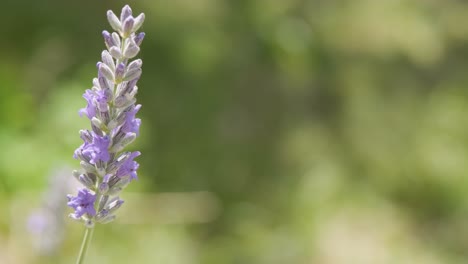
(274,131)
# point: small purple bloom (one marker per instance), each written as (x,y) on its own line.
(129,167)
(83,203)
(90,110)
(95,151)
(98,150)
(132,124)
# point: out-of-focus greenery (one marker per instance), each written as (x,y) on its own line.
(315,131)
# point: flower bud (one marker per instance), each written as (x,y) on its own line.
(119,72)
(132,93)
(114,21)
(102,214)
(123,101)
(123,142)
(127,26)
(120,182)
(131,49)
(107,59)
(103,202)
(114,205)
(85,135)
(96,129)
(138,22)
(105,71)
(88,167)
(115,164)
(115,52)
(116,39)
(126,12)
(96,122)
(108,39)
(87,181)
(131,75)
(139,38)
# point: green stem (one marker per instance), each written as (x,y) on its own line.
(84,245)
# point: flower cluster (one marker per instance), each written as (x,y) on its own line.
(111,108)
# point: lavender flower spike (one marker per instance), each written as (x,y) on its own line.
(111,108)
(107,168)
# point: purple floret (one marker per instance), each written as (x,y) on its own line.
(132,124)
(90,109)
(97,150)
(129,167)
(83,203)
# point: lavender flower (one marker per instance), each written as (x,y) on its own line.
(83,203)
(129,167)
(111,109)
